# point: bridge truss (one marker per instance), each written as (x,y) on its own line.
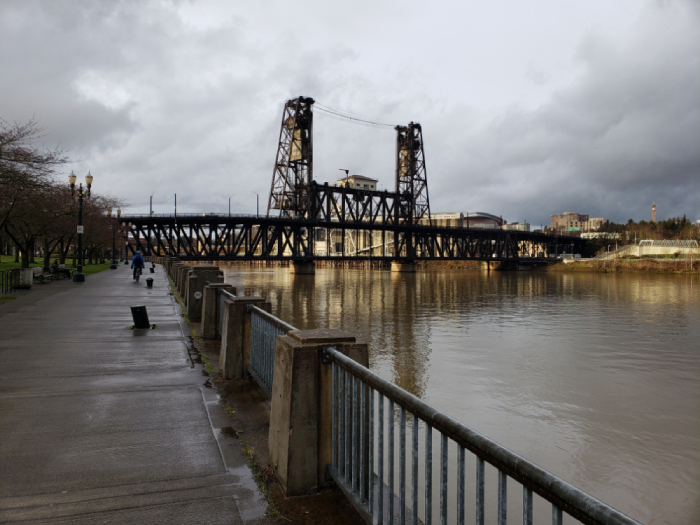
(342,223)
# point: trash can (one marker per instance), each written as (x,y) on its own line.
(140,317)
(149,282)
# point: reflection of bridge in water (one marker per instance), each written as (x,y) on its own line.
(330,222)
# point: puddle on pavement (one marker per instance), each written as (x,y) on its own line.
(229,432)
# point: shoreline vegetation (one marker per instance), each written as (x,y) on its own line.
(646,265)
(677,266)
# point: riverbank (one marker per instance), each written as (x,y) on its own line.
(677,266)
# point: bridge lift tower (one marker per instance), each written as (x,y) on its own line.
(292,179)
(293,173)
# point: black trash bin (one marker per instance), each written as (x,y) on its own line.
(140,317)
(149,283)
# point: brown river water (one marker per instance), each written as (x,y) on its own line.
(594,377)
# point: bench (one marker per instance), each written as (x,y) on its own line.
(39,275)
(61,273)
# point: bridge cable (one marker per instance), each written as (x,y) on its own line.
(337,114)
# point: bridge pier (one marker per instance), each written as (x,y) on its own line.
(403,266)
(302,267)
(499,266)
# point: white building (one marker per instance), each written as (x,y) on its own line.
(359,182)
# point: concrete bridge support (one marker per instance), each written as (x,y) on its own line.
(235,335)
(300,407)
(302,267)
(211,309)
(405,266)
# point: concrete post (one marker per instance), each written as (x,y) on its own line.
(169,261)
(182,271)
(300,406)
(235,336)
(194,291)
(211,308)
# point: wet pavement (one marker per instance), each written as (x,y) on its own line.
(100,423)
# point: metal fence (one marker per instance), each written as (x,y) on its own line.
(6,282)
(367,410)
(264,329)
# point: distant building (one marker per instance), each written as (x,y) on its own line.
(359,182)
(477,219)
(570,222)
(516,226)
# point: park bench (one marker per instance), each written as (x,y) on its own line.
(61,273)
(39,275)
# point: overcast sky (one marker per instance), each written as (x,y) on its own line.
(528,108)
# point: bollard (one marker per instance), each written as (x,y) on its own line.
(153,269)
(149,283)
(140,317)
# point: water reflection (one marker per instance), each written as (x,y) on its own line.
(595,377)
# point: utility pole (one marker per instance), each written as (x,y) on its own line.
(257,204)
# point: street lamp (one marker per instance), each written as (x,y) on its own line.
(229,204)
(79,276)
(257,204)
(114,238)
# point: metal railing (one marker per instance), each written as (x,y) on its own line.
(6,281)
(264,329)
(366,471)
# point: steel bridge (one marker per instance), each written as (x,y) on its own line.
(330,222)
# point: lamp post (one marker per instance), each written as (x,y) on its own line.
(229,204)
(257,204)
(79,276)
(114,238)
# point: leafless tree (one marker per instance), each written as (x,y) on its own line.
(24,168)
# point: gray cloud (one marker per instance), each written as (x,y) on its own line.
(597,116)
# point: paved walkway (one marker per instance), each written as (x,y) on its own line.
(103,424)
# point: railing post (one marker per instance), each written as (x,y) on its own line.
(196,278)
(235,335)
(300,439)
(211,308)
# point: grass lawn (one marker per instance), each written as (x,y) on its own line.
(7,298)
(95,268)
(8,263)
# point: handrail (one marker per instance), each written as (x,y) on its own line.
(227,294)
(276,321)
(572,500)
